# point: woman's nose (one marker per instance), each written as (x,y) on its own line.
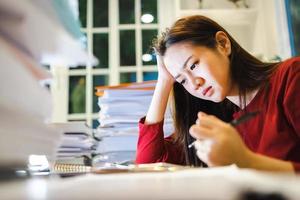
(197,82)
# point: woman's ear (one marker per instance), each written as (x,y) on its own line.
(223,42)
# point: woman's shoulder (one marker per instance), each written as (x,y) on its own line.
(287,69)
(290,64)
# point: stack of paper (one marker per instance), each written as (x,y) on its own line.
(121,108)
(24,108)
(32,32)
(77,142)
(38,28)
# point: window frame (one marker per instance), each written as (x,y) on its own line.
(61,75)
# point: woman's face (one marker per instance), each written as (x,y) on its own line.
(204,72)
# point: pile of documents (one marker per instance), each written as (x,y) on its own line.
(24,108)
(77,143)
(31,33)
(121,108)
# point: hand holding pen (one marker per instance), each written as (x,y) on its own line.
(234,122)
(218,143)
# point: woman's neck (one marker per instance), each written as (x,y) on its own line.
(249,97)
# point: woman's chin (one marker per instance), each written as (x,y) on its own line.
(217,98)
(214,97)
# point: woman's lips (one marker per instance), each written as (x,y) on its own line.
(204,92)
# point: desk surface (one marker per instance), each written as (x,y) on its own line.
(217,183)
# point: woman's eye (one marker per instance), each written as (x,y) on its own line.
(193,66)
(182,82)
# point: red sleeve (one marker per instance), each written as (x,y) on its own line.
(153,147)
(291,101)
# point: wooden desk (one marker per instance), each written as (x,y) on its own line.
(217,183)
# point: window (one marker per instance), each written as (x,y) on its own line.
(119,33)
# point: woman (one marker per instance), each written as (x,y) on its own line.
(214,80)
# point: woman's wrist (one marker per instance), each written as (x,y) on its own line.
(247,159)
(159,101)
(261,162)
(166,83)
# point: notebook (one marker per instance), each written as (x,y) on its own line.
(71,169)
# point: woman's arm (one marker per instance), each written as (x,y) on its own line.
(161,94)
(152,146)
(261,162)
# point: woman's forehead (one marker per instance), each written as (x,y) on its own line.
(176,58)
(178,51)
(176,55)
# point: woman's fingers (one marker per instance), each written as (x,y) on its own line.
(203,156)
(200,132)
(163,73)
(201,114)
(208,121)
(203,147)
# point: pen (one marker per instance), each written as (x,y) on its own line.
(236,122)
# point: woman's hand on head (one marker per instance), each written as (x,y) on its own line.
(218,143)
(163,73)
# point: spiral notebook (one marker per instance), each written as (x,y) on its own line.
(70,169)
(73,169)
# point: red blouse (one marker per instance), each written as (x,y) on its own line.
(275,132)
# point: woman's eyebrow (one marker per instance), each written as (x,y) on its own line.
(183,66)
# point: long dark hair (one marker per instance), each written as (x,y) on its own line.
(246,71)
(186,107)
